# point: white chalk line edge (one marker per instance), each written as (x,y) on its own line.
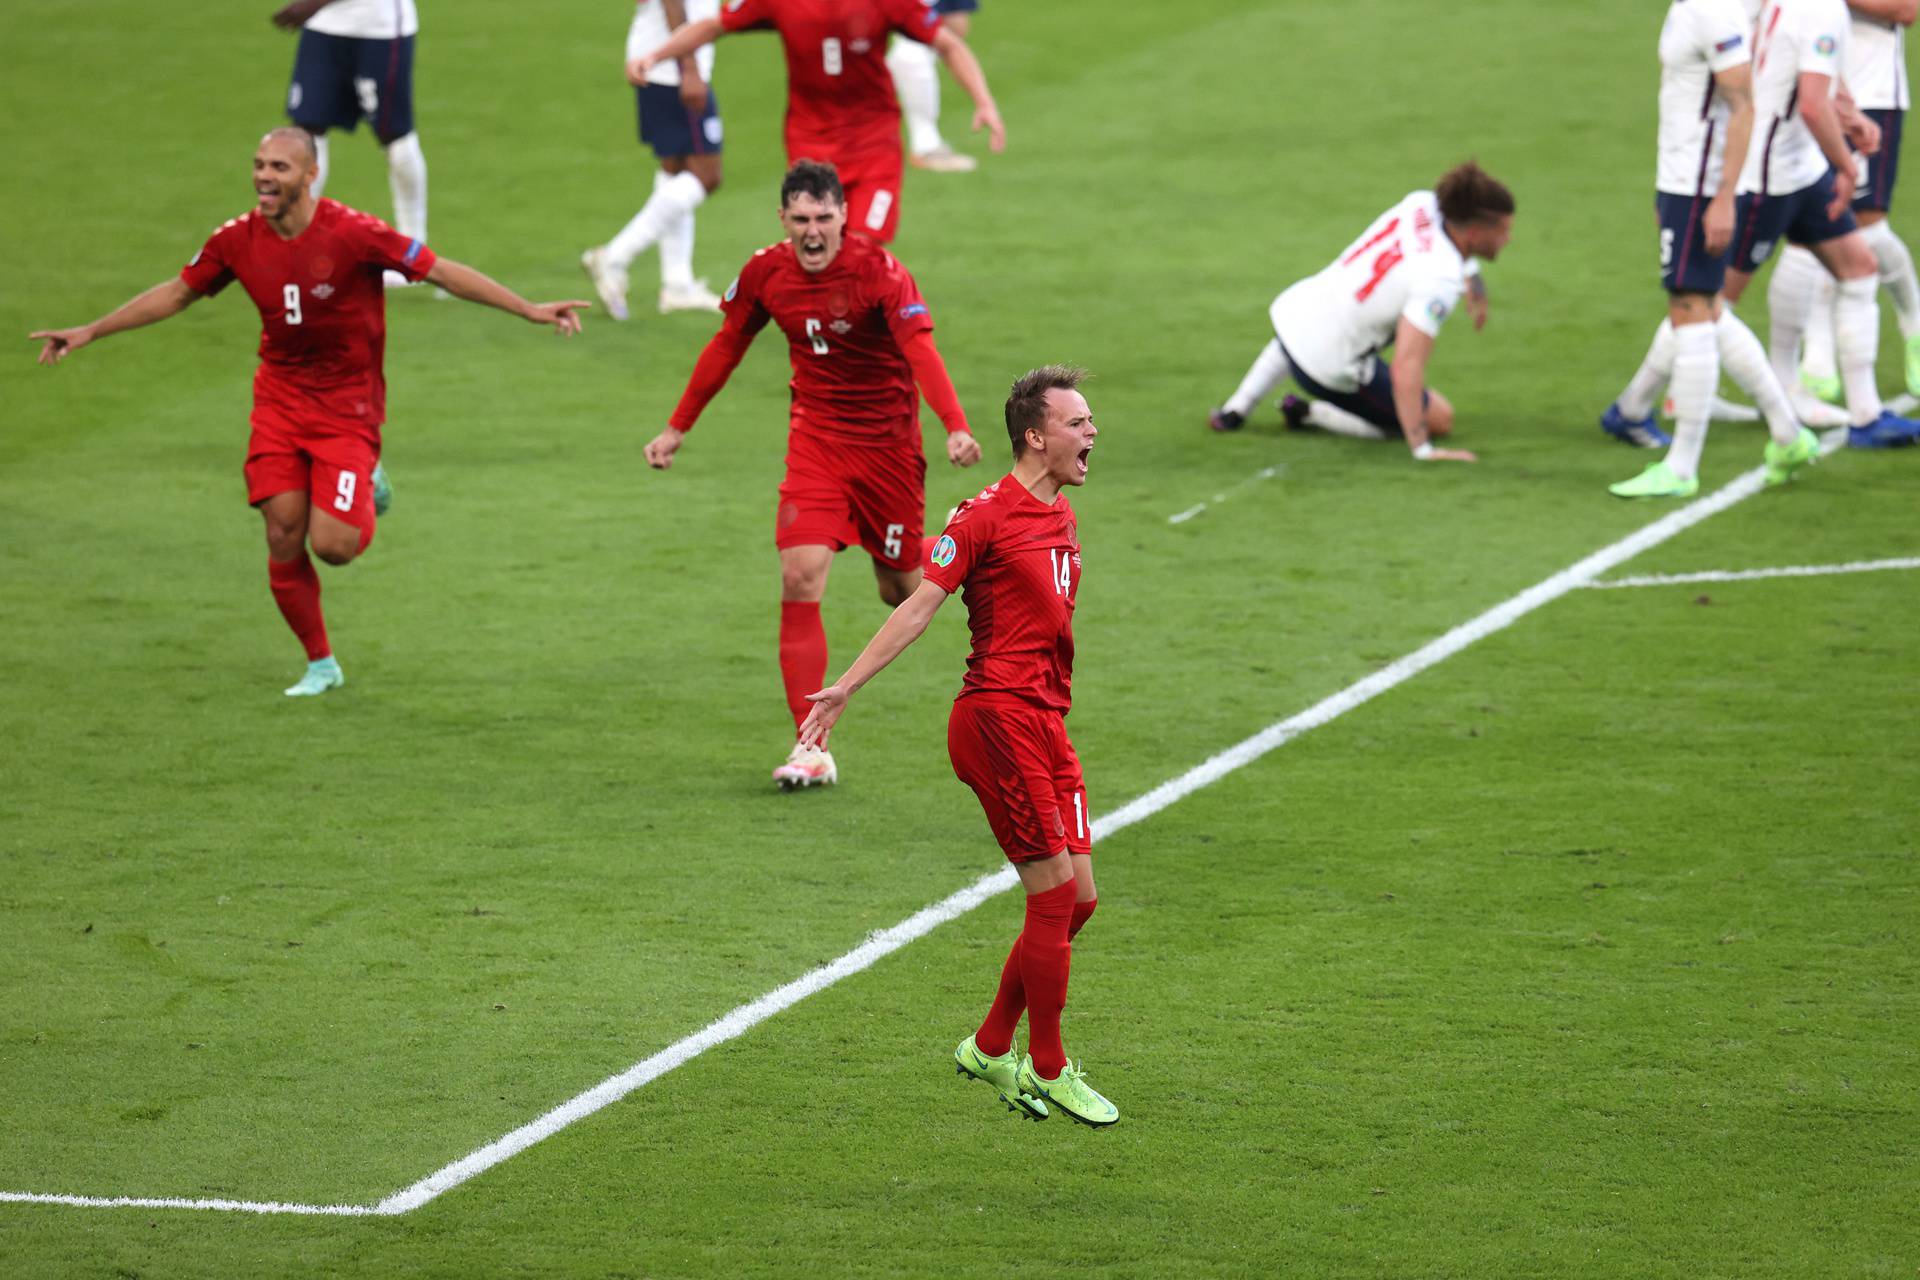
(1755,575)
(886,941)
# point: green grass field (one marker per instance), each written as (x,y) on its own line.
(1589,952)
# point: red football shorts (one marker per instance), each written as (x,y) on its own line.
(836,494)
(1017,759)
(334,468)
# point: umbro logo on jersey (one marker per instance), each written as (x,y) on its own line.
(840,326)
(861,46)
(322,291)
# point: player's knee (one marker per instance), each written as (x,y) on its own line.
(1439,414)
(801,582)
(338,546)
(894,591)
(709,173)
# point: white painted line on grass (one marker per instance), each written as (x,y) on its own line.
(1751,575)
(161,1202)
(1265,473)
(885,942)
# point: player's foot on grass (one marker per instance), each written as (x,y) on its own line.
(1816,413)
(609,281)
(1827,387)
(382,490)
(1077,1099)
(322,675)
(1294,410)
(1226,420)
(1885,432)
(806,767)
(1002,1073)
(1641,433)
(1784,460)
(944,160)
(692,296)
(1657,481)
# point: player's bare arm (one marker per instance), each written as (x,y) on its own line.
(967,71)
(1861,131)
(1735,87)
(1477,301)
(1823,122)
(907,623)
(463,281)
(681,44)
(1411,350)
(168,298)
(693,90)
(294,16)
(1900,12)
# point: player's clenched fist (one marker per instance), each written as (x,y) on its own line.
(661,448)
(962,449)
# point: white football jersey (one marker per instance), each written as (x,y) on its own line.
(649,31)
(1403,266)
(1877,65)
(1794,36)
(1701,38)
(367,19)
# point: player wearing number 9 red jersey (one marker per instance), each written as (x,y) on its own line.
(313,269)
(860,336)
(1015,552)
(841,107)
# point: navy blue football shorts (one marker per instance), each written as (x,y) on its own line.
(1880,171)
(1760,222)
(1685,264)
(673,131)
(1372,401)
(339,81)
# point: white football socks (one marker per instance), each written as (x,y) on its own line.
(1696,376)
(1332,418)
(1636,402)
(1856,337)
(916,79)
(1817,355)
(676,253)
(1790,294)
(1897,274)
(407,176)
(320,161)
(1270,369)
(673,197)
(1745,361)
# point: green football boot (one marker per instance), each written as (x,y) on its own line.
(1071,1093)
(321,676)
(382,490)
(1913,364)
(1657,481)
(1784,460)
(1828,387)
(1002,1073)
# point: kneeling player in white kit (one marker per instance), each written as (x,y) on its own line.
(1392,287)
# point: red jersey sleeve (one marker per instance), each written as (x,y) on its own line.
(747,15)
(914,19)
(898,298)
(960,547)
(208,271)
(381,246)
(741,305)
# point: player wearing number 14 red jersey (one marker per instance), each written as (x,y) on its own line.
(841,106)
(313,269)
(860,336)
(1015,552)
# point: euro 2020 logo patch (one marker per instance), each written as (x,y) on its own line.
(944,551)
(1824,46)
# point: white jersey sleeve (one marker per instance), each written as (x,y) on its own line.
(1877,65)
(367,19)
(1432,294)
(649,31)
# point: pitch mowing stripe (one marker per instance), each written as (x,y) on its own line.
(885,942)
(1754,575)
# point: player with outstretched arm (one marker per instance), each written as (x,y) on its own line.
(313,268)
(860,337)
(1015,551)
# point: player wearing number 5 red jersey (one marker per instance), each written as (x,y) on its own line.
(1015,552)
(841,107)
(860,336)
(313,268)
(1394,286)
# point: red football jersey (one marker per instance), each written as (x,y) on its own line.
(1019,562)
(840,99)
(323,320)
(845,327)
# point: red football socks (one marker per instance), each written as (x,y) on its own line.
(995,1035)
(296,589)
(803,654)
(1045,956)
(1081,910)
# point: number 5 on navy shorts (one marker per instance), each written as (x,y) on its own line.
(339,81)
(1685,264)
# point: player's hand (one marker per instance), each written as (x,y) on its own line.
(639,68)
(1450,455)
(294,16)
(827,706)
(962,449)
(1863,135)
(61,343)
(693,92)
(661,448)
(1717,227)
(1477,303)
(563,316)
(1843,187)
(988,118)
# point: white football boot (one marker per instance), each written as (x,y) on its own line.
(806,767)
(1817,413)
(692,296)
(944,160)
(609,281)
